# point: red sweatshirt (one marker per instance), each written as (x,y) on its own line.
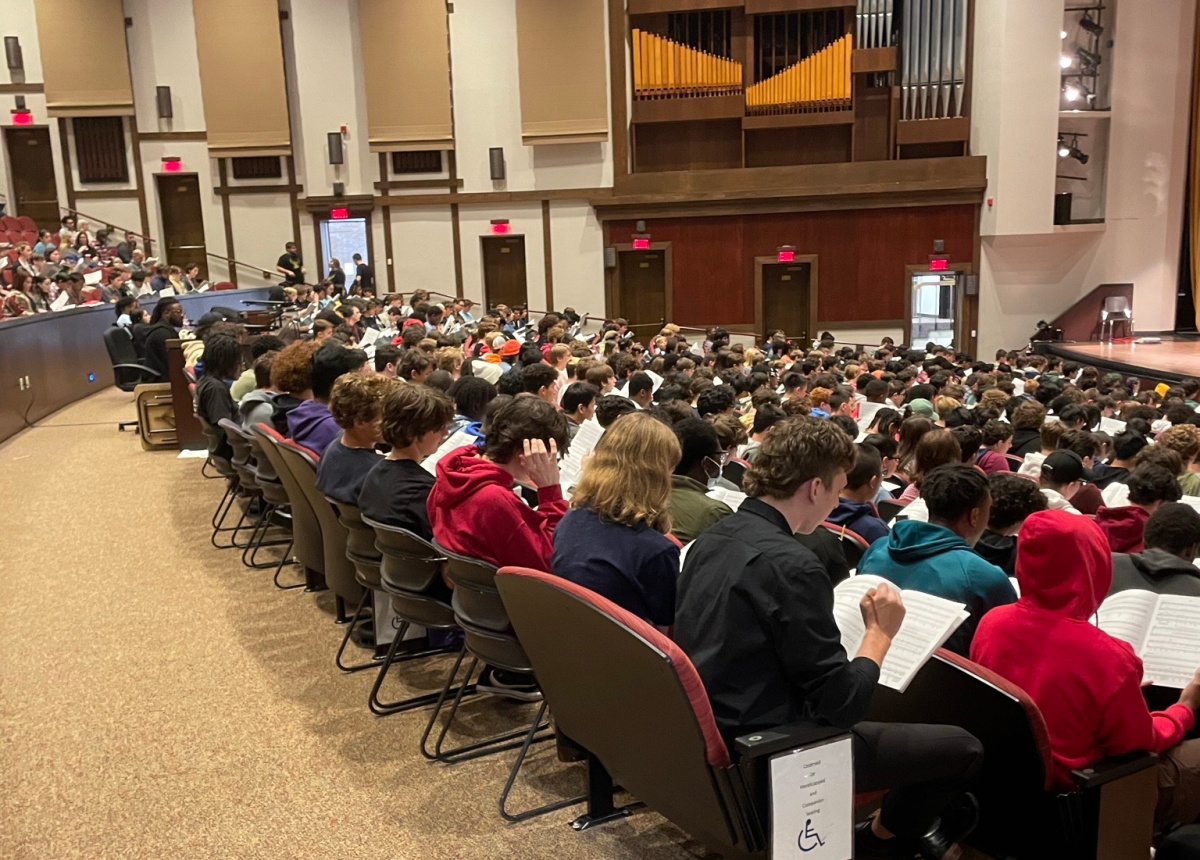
(1086,683)
(1124,527)
(474,511)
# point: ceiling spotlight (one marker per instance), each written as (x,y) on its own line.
(1065,62)
(1087,58)
(1076,91)
(1071,149)
(1091,26)
(1063,35)
(1063,149)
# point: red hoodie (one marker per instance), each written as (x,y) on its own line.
(1124,527)
(1086,683)
(474,511)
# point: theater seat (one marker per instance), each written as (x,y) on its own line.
(306,533)
(28,224)
(1110,814)
(633,699)
(853,544)
(889,509)
(10,224)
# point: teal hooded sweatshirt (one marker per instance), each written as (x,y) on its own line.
(931,558)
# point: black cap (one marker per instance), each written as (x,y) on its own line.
(1062,467)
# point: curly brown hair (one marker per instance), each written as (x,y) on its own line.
(411,411)
(797,450)
(525,417)
(358,397)
(292,371)
(1030,415)
(1184,440)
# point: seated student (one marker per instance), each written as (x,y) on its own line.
(1013,499)
(1126,446)
(258,406)
(387,359)
(1061,478)
(613,540)
(936,557)
(414,366)
(1150,485)
(1184,440)
(222,363)
(640,389)
(936,448)
(1172,543)
(610,407)
(1051,432)
(856,510)
(887,448)
(541,380)
(765,417)
(473,509)
(471,397)
(311,424)
(291,375)
(579,405)
(246,383)
(1086,683)
(1027,421)
(699,468)
(754,612)
(396,490)
(356,404)
(997,439)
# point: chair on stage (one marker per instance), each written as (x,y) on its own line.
(1116,310)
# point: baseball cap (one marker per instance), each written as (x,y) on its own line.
(921,406)
(1062,467)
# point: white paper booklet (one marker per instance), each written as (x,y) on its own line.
(456,440)
(60,303)
(92,279)
(1162,630)
(1111,426)
(585,441)
(866,414)
(928,622)
(733,498)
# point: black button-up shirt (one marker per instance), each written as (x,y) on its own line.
(754,612)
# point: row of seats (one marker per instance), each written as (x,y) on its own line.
(630,699)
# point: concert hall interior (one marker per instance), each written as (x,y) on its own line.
(653,429)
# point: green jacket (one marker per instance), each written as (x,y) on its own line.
(691,510)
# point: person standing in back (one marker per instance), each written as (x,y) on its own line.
(364,276)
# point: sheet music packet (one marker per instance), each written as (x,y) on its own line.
(733,498)
(585,441)
(928,622)
(1162,630)
(456,440)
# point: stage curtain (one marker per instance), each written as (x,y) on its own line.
(85,67)
(241,76)
(406,68)
(562,58)
(1193,219)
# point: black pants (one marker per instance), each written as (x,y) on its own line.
(922,767)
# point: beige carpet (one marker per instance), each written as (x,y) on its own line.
(158,700)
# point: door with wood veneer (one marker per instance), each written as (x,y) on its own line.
(642,278)
(31,171)
(787,292)
(504,270)
(183,221)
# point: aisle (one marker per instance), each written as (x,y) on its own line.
(158,700)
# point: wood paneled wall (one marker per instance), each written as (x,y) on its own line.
(862,254)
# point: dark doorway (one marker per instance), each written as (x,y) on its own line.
(183,221)
(504,270)
(642,279)
(31,166)
(787,292)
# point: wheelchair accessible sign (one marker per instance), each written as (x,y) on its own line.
(812,802)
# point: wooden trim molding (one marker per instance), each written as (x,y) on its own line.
(618,26)
(387,231)
(294,196)
(222,178)
(391,184)
(68,176)
(825,324)
(140,170)
(110,194)
(21,89)
(356,202)
(493,197)
(175,135)
(455,225)
(237,190)
(547,255)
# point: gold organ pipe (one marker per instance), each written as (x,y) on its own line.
(665,69)
(819,82)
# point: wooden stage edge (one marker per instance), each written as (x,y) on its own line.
(1177,357)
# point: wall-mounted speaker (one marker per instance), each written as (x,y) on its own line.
(336,154)
(12,53)
(19,102)
(640,226)
(162,96)
(971,285)
(496,162)
(610,258)
(939,246)
(339,189)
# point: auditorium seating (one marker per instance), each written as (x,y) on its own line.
(853,544)
(366,558)
(306,533)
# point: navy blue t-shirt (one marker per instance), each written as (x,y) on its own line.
(342,470)
(634,567)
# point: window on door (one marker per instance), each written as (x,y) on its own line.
(934,308)
(341,240)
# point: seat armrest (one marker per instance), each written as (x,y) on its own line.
(782,738)
(140,367)
(1113,768)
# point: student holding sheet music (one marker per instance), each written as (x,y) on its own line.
(936,557)
(755,613)
(1086,682)
(1166,565)
(614,539)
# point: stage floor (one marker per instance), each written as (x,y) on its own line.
(1173,359)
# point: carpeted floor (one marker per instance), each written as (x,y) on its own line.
(158,700)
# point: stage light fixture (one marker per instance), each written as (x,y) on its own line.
(1088,60)
(1070,149)
(1076,91)
(1091,26)
(1063,35)
(1065,62)
(1076,153)
(1063,149)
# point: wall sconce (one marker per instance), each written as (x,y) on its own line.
(163,98)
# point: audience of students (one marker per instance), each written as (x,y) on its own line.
(311,424)
(356,404)
(1013,499)
(699,468)
(856,509)
(1150,485)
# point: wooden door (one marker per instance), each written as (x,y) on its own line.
(504,271)
(183,221)
(786,298)
(642,293)
(31,167)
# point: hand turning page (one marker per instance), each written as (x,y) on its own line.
(928,623)
(1162,630)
